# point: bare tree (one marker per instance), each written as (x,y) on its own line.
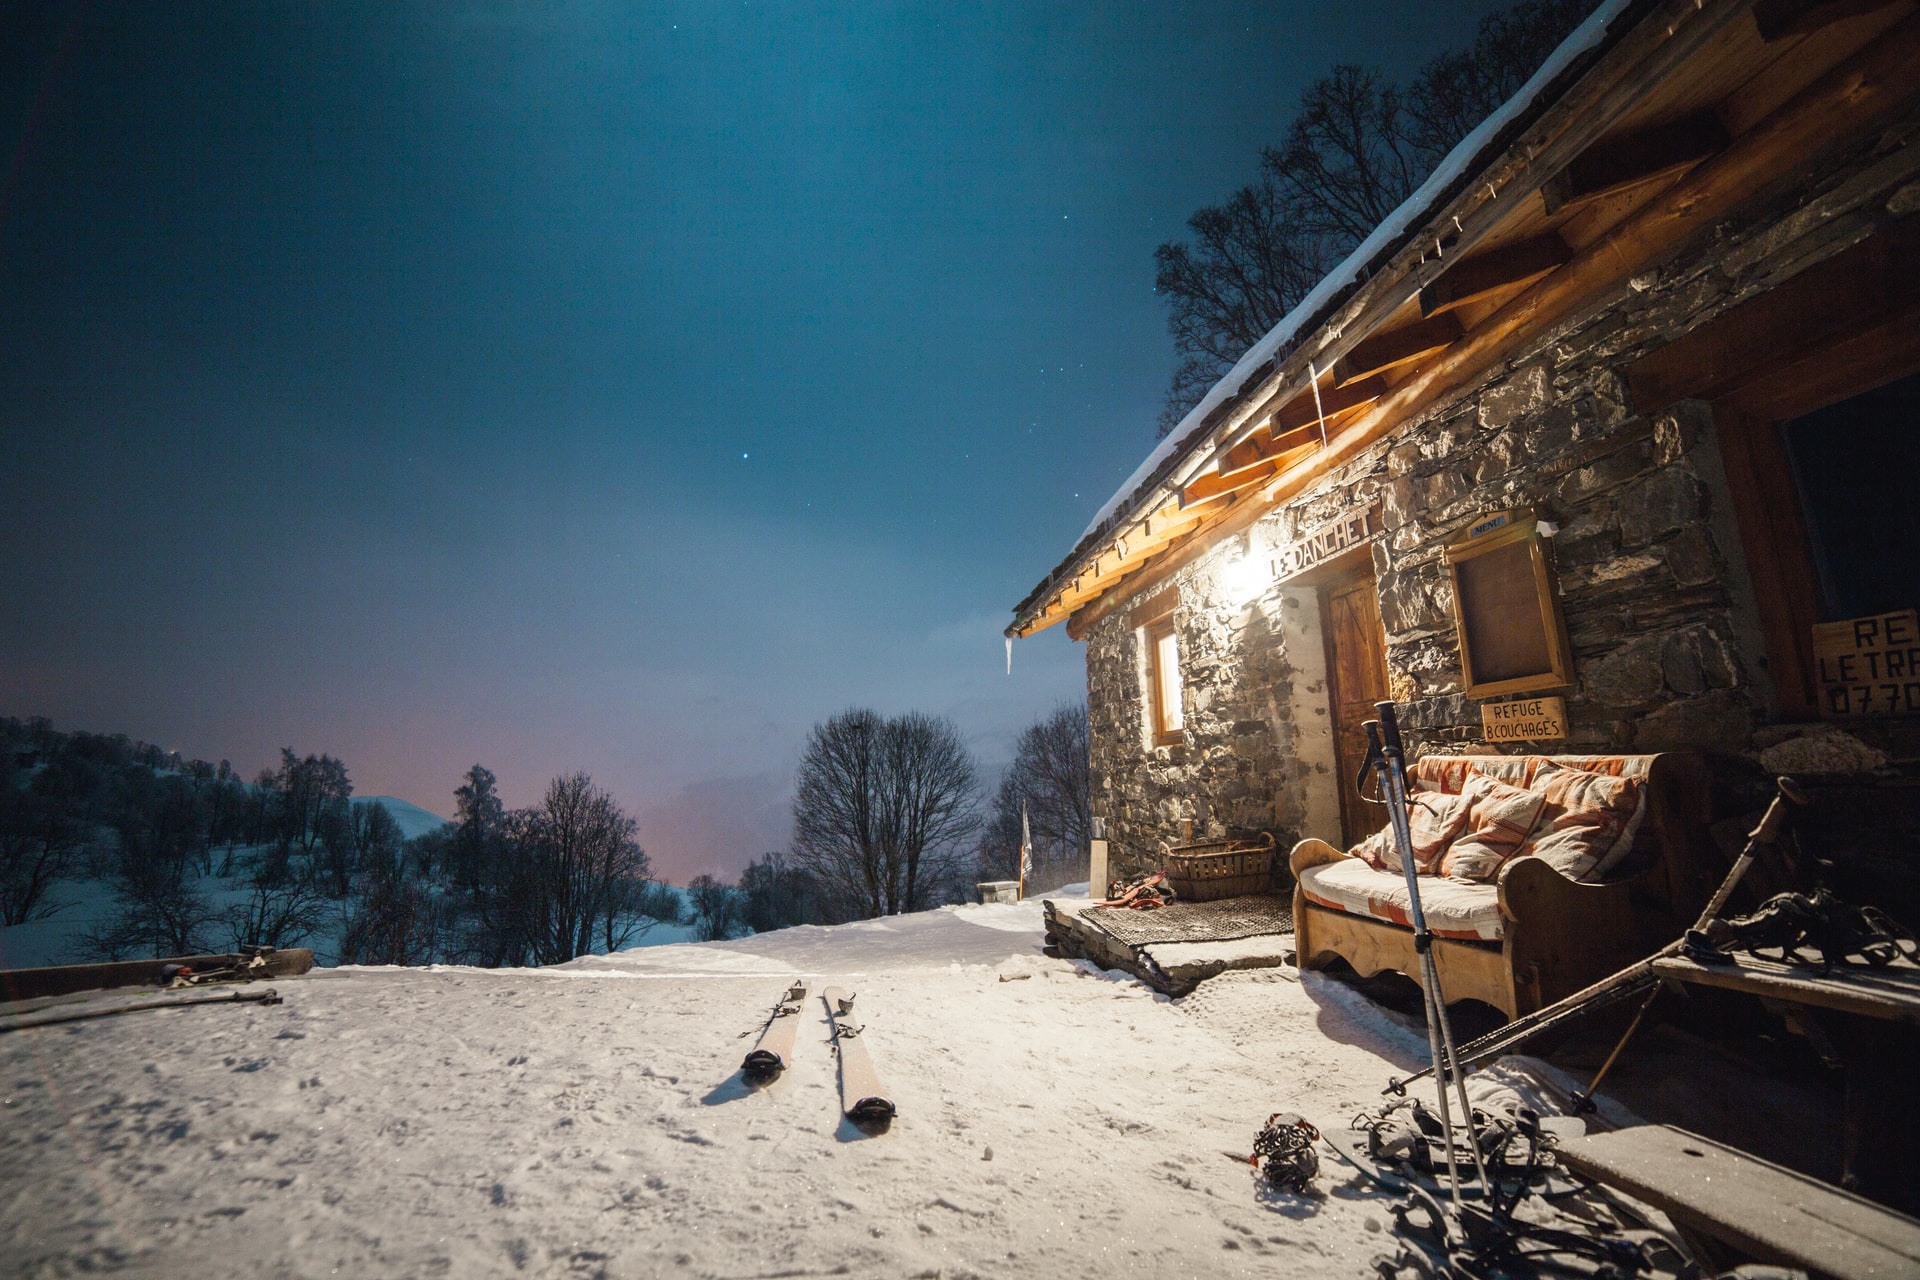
(160,912)
(38,842)
(393,918)
(566,867)
(882,810)
(478,826)
(1358,146)
(714,908)
(1050,775)
(778,894)
(278,913)
(312,795)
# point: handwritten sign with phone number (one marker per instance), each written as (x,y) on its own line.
(1869,666)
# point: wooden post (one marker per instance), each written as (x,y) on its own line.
(1097,870)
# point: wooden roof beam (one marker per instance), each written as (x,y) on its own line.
(1263,446)
(1394,348)
(1482,275)
(1872,279)
(1778,19)
(1639,155)
(1301,411)
(1846,103)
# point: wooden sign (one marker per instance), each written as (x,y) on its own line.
(1524,720)
(1327,541)
(1869,666)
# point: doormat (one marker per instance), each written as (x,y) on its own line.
(1223,921)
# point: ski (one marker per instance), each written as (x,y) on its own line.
(774,1049)
(862,1097)
(246,995)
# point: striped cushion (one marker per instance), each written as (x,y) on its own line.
(1500,817)
(1588,820)
(1454,908)
(1435,819)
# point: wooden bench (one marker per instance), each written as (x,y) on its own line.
(1760,1211)
(1558,935)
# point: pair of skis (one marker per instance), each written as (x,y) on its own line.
(863,1099)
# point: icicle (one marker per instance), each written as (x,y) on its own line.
(1009,655)
(1315,375)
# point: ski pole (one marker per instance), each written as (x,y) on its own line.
(1394,752)
(1636,977)
(1403,840)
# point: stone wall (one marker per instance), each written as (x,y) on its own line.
(1653,581)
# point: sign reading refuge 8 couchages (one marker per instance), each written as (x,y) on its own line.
(1869,666)
(1524,720)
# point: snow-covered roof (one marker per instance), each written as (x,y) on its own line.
(1474,153)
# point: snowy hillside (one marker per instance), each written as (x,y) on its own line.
(1054,1121)
(414,821)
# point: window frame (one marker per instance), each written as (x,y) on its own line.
(1156,632)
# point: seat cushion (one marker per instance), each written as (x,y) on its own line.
(1454,908)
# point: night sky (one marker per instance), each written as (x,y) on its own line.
(595,386)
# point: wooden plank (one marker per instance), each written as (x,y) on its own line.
(1155,607)
(1212,484)
(1778,552)
(1263,446)
(1301,412)
(1779,19)
(1851,363)
(1631,158)
(1468,970)
(57,980)
(1773,1215)
(1891,994)
(1394,348)
(1856,287)
(1492,271)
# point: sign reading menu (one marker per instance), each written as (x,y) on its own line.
(1869,666)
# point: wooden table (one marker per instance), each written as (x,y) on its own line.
(1872,1016)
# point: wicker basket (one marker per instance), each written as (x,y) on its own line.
(1219,869)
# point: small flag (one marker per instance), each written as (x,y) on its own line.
(1026,850)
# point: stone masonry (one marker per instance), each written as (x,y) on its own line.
(1652,577)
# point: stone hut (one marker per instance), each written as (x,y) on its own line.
(1653,329)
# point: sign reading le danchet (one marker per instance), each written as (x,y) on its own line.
(1869,666)
(1328,540)
(1524,720)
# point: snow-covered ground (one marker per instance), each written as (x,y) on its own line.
(589,1119)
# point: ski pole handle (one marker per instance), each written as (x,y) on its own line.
(1767,833)
(1389,729)
(1372,764)
(1776,816)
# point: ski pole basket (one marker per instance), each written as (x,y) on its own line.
(1215,869)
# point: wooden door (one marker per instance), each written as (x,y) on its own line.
(1356,679)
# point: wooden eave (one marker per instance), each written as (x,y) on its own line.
(1777,101)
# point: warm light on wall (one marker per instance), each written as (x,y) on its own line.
(1243,579)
